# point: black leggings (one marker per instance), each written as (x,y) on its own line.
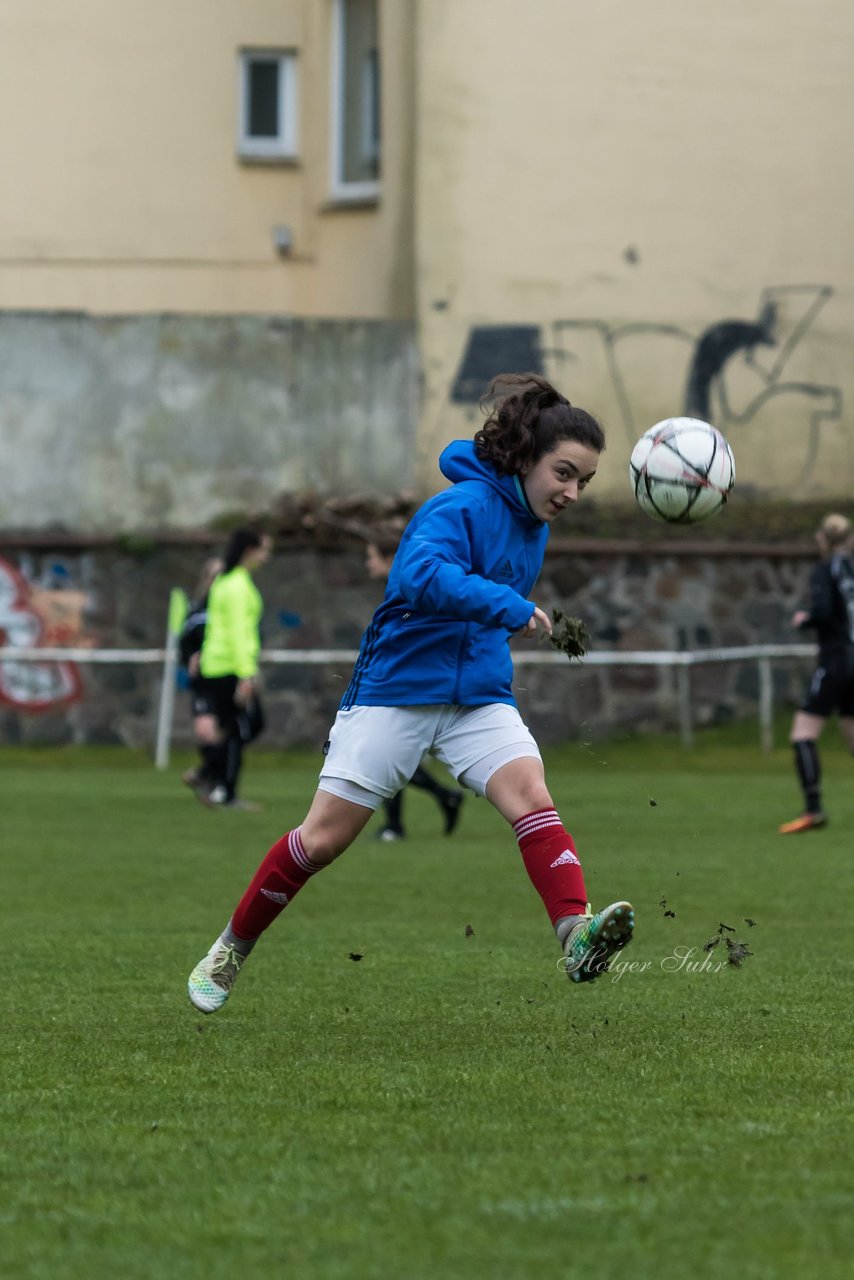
(239,726)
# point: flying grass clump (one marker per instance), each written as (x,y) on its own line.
(737,952)
(569,635)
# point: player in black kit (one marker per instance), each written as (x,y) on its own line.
(831,614)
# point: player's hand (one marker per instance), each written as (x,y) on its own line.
(799,618)
(244,692)
(537,621)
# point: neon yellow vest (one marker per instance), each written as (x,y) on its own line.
(232,641)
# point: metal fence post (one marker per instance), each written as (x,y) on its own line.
(683,688)
(766,704)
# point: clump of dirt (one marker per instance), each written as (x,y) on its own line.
(569,635)
(737,952)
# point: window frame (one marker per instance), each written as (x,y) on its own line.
(343,192)
(284,147)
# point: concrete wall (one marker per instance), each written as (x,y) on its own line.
(319,599)
(129,423)
(650,204)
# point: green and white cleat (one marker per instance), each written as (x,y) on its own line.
(590,941)
(210,983)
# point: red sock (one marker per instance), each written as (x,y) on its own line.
(280,876)
(552,863)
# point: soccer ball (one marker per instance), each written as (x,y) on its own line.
(682,470)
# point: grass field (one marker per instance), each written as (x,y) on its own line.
(447,1105)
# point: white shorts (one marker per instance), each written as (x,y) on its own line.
(374,751)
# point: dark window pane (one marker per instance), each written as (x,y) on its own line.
(360,97)
(263,99)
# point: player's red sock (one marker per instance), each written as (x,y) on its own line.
(552,863)
(280,876)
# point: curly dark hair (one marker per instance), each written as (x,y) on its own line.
(527,419)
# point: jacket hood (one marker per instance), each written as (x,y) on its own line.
(459,462)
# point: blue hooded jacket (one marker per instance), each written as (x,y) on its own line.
(457,591)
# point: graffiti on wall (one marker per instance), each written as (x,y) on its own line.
(729,373)
(32,616)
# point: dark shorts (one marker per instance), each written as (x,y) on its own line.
(831,689)
(201,701)
(216,698)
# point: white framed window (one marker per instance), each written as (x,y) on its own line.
(267,104)
(356,136)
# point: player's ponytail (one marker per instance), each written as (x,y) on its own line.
(527,419)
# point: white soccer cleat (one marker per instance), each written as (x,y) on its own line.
(210,983)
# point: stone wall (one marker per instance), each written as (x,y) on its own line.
(322,599)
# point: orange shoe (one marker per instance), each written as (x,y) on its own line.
(807,822)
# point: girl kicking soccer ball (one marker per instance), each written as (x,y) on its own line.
(434,674)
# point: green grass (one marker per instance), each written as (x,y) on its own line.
(449,1105)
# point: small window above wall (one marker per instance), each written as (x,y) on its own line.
(267,127)
(356,143)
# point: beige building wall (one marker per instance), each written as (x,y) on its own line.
(122,190)
(606,183)
(649,202)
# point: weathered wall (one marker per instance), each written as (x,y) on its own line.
(129,423)
(323,599)
(649,203)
